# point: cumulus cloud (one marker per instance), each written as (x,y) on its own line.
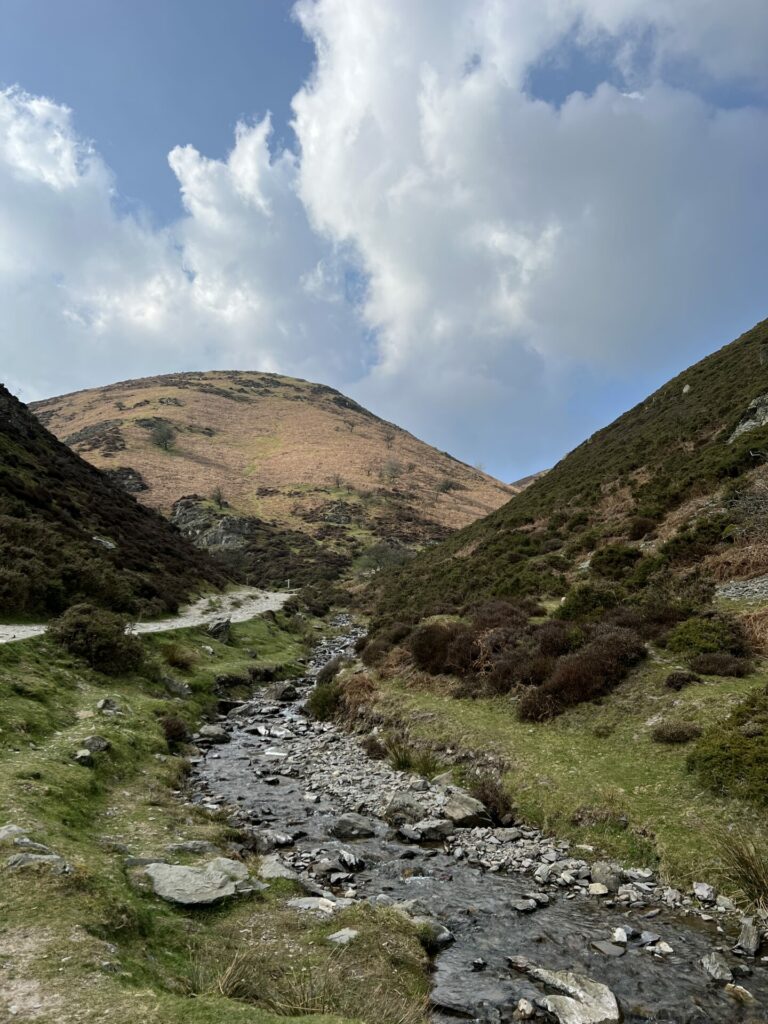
(469,260)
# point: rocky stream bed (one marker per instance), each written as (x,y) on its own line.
(523,926)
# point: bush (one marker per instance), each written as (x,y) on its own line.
(175,731)
(639,527)
(180,657)
(330,670)
(518,668)
(381,642)
(678,680)
(442,648)
(488,789)
(731,758)
(98,637)
(707,635)
(324,701)
(491,614)
(721,665)
(373,747)
(614,561)
(587,601)
(556,638)
(675,732)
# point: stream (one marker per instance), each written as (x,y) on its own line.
(313,801)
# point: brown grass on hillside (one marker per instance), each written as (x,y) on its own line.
(755,625)
(741,561)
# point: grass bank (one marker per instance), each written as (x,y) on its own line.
(91,945)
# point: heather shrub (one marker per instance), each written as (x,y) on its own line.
(491,614)
(731,758)
(330,670)
(178,656)
(675,732)
(614,561)
(556,638)
(587,601)
(98,637)
(380,643)
(721,665)
(175,731)
(707,635)
(639,527)
(324,701)
(373,747)
(678,680)
(488,789)
(442,647)
(518,668)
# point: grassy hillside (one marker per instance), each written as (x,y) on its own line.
(67,533)
(292,455)
(636,482)
(92,945)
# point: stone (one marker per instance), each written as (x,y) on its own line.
(608,948)
(215,734)
(739,993)
(107,706)
(438,936)
(704,892)
(220,630)
(10,832)
(344,936)
(749,938)
(273,867)
(433,830)
(196,886)
(192,846)
(57,865)
(525,906)
(716,967)
(83,757)
(284,692)
(524,1010)
(350,861)
(620,936)
(317,904)
(444,779)
(649,938)
(465,811)
(404,807)
(598,889)
(96,744)
(352,826)
(604,873)
(585,1001)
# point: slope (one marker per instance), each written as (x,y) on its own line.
(67,533)
(295,474)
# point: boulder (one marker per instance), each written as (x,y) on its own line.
(273,867)
(214,734)
(220,630)
(96,744)
(51,861)
(197,886)
(749,938)
(584,1001)
(433,830)
(10,832)
(343,937)
(716,967)
(609,875)
(352,826)
(466,812)
(404,808)
(704,892)
(284,692)
(317,904)
(83,757)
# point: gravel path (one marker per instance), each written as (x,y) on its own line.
(239,606)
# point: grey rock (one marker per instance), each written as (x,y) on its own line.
(704,892)
(20,861)
(220,630)
(749,938)
(192,846)
(352,826)
(404,807)
(525,906)
(284,692)
(196,886)
(609,948)
(96,744)
(9,832)
(317,904)
(215,734)
(344,936)
(177,688)
(273,867)
(755,416)
(609,875)
(466,812)
(83,757)
(21,842)
(107,706)
(716,967)
(584,1001)
(434,829)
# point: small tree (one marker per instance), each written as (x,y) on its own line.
(163,435)
(389,436)
(98,637)
(391,470)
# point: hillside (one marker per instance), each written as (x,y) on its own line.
(294,474)
(67,533)
(633,484)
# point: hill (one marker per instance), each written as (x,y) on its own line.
(67,533)
(295,475)
(629,489)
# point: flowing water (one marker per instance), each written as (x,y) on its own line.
(275,754)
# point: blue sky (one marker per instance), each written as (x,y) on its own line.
(498,225)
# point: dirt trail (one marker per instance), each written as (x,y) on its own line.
(238,605)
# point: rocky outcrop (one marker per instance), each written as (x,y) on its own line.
(220,879)
(128,479)
(756,416)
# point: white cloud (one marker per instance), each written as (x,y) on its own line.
(461,256)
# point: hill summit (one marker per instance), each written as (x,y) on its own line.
(295,474)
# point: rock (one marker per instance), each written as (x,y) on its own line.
(404,808)
(192,846)
(466,812)
(419,786)
(96,744)
(649,938)
(433,830)
(585,1001)
(739,993)
(352,826)
(604,873)
(83,757)
(620,936)
(350,861)
(9,832)
(317,904)
(177,688)
(598,889)
(207,649)
(29,847)
(608,948)
(525,906)
(437,935)
(57,865)
(197,886)
(273,867)
(524,1010)
(284,692)
(716,967)
(444,779)
(220,630)
(107,706)
(343,937)
(704,892)
(749,938)
(215,734)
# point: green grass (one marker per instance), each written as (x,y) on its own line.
(595,774)
(92,945)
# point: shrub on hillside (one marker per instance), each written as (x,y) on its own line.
(639,527)
(330,670)
(488,789)
(518,668)
(175,731)
(378,644)
(98,637)
(675,732)
(324,701)
(614,561)
(731,758)
(721,665)
(180,657)
(587,601)
(442,648)
(707,635)
(557,638)
(494,613)
(678,680)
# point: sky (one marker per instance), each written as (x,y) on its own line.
(497,223)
